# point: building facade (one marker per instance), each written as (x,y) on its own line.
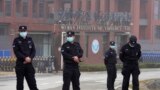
(96,22)
(34,14)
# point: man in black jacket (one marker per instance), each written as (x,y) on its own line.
(129,55)
(72,52)
(24,49)
(110,62)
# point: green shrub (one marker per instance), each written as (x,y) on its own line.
(149,65)
(95,67)
(101,67)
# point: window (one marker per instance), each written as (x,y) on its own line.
(80,5)
(124,5)
(105,41)
(157,9)
(143,9)
(86,45)
(157,33)
(25,8)
(42,42)
(4,36)
(41,8)
(18,8)
(3,30)
(8,7)
(98,5)
(88,5)
(143,32)
(1,7)
(107,5)
(34,8)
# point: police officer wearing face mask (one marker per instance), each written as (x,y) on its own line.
(72,54)
(24,49)
(110,63)
(129,55)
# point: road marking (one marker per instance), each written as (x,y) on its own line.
(118,86)
(59,82)
(101,81)
(44,84)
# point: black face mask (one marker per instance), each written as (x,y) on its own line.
(133,43)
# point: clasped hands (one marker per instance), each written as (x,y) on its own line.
(27,60)
(76,59)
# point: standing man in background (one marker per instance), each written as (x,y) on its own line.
(129,55)
(72,54)
(24,49)
(110,63)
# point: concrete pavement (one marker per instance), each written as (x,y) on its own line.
(89,80)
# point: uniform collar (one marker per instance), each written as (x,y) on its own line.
(112,49)
(23,38)
(132,47)
(70,42)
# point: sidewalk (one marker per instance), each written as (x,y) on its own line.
(6,73)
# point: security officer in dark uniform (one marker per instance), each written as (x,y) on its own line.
(24,49)
(129,55)
(72,53)
(110,62)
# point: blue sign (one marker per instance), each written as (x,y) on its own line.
(5,53)
(1,53)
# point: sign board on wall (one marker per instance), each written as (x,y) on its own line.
(95,46)
(94,27)
(5,53)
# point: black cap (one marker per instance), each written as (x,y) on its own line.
(22,28)
(70,33)
(133,39)
(112,43)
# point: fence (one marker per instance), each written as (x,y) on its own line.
(41,64)
(47,64)
(151,57)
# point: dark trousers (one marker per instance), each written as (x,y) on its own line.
(127,71)
(71,75)
(28,72)
(112,74)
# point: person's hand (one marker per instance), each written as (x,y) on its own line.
(80,60)
(76,59)
(27,60)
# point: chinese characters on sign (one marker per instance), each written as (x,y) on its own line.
(95,27)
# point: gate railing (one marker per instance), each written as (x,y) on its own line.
(42,64)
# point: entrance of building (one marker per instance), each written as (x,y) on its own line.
(121,39)
(64,39)
(43,42)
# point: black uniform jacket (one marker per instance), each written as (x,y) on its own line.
(130,54)
(110,57)
(69,50)
(23,48)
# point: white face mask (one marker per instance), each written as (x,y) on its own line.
(113,47)
(23,34)
(70,39)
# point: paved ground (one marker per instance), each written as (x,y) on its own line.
(89,80)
